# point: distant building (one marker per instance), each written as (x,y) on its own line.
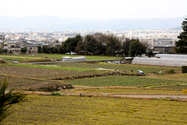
(164,48)
(164,41)
(12,45)
(32,48)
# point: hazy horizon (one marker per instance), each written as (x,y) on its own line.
(97,9)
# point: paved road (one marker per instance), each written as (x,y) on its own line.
(154,96)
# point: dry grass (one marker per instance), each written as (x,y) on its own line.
(184,91)
(130,91)
(180,77)
(57,110)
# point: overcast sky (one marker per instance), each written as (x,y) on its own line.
(95,9)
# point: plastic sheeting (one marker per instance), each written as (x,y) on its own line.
(173,60)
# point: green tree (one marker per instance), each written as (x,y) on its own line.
(136,48)
(181,44)
(7,99)
(39,49)
(5,50)
(90,45)
(79,47)
(24,50)
(126,46)
(70,44)
(114,45)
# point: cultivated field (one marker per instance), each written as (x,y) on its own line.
(121,81)
(100,107)
(122,67)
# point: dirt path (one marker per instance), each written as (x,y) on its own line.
(153,96)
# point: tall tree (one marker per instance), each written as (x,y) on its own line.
(70,44)
(8,99)
(90,44)
(126,46)
(79,47)
(136,48)
(39,49)
(114,45)
(181,44)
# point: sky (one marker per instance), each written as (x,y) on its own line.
(95,9)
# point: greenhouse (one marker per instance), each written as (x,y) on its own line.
(74,59)
(162,60)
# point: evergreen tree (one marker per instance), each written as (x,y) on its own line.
(114,45)
(181,44)
(126,46)
(136,48)
(7,99)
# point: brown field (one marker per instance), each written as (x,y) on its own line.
(38,72)
(23,83)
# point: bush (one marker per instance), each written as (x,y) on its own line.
(184,69)
(55,94)
(170,71)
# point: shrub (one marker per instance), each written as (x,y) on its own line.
(7,99)
(184,69)
(55,94)
(170,71)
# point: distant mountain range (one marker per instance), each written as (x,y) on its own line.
(55,23)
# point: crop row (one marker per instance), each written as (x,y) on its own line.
(19,58)
(52,67)
(120,81)
(121,67)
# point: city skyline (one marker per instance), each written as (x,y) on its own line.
(97,10)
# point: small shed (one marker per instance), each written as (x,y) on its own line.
(127,60)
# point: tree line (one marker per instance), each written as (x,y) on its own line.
(98,44)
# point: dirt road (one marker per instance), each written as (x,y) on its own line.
(154,96)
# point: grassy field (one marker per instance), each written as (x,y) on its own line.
(52,67)
(59,56)
(121,81)
(130,91)
(121,67)
(53,56)
(53,110)
(18,57)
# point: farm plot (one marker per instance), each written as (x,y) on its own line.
(18,57)
(39,72)
(57,110)
(23,83)
(121,81)
(121,67)
(137,91)
(59,56)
